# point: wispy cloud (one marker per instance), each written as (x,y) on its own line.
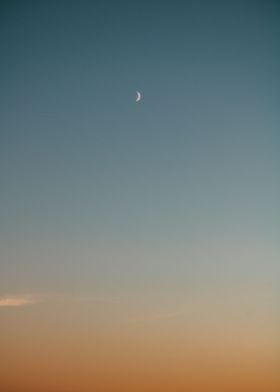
(19,300)
(29,299)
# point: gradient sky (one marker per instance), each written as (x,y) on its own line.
(139,242)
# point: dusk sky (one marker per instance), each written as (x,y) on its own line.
(139,241)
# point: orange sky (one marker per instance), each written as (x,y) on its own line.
(61,347)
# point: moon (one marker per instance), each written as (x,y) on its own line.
(138,96)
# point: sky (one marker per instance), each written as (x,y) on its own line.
(139,241)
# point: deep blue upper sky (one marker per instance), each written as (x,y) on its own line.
(112,191)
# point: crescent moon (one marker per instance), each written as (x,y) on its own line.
(138,97)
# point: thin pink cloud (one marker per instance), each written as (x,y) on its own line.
(29,299)
(12,301)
